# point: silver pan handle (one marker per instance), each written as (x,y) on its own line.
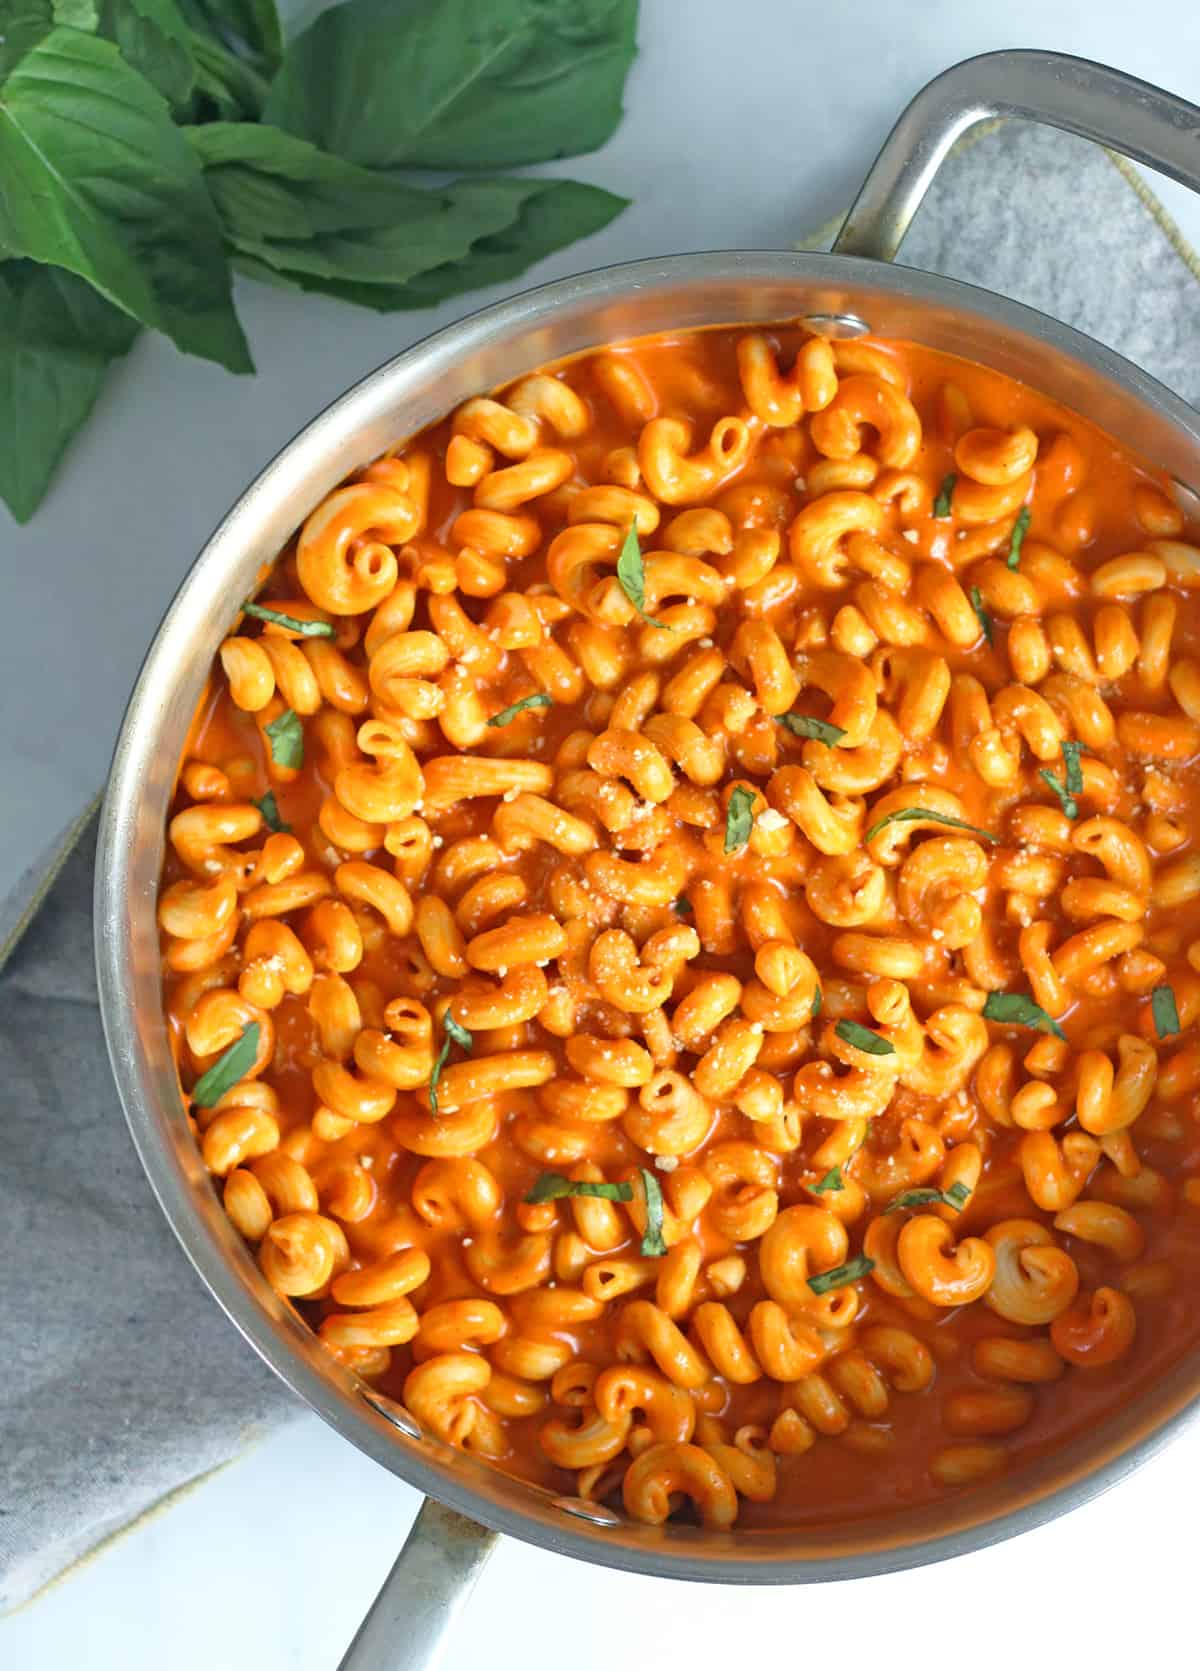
(1128,115)
(411,1618)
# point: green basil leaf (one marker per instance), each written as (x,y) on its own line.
(911,814)
(293,215)
(232,1065)
(1074,772)
(1066,801)
(1017,1010)
(831,1183)
(553,214)
(739,819)
(227,89)
(984,619)
(453,1033)
(818,999)
(631,577)
(682,908)
(862,1038)
(941,505)
(244,28)
(841,1275)
(538,700)
(653,1246)
(456,84)
(94,177)
(820,730)
(552,1186)
(269,807)
(1165,1011)
(23,23)
(456,1031)
(1017,540)
(306,629)
(270,186)
(154,39)
(287,739)
(58,339)
(956,1196)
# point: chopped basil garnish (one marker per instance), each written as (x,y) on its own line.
(911,814)
(653,1246)
(231,1066)
(1067,801)
(739,820)
(1165,1012)
(682,908)
(1018,1010)
(941,505)
(820,730)
(537,700)
(552,1186)
(455,1033)
(862,1038)
(269,808)
(286,736)
(841,1275)
(984,619)
(816,1003)
(1020,529)
(306,629)
(830,1183)
(956,1196)
(631,576)
(1072,783)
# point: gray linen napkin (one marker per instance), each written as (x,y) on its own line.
(120,1379)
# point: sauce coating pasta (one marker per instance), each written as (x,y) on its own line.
(681,929)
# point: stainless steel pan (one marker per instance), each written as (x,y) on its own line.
(853,290)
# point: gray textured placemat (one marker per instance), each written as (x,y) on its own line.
(121,1380)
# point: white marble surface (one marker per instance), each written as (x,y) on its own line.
(270,1565)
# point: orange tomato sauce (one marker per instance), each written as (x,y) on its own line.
(1089,501)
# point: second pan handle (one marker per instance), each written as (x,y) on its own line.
(409,1625)
(1098,103)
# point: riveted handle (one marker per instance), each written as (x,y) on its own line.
(1098,103)
(411,1619)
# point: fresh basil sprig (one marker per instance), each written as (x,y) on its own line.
(1017,538)
(286,736)
(956,1196)
(1015,1009)
(841,1275)
(293,623)
(538,700)
(232,1065)
(739,819)
(1072,782)
(269,807)
(553,1186)
(146,146)
(1165,1011)
(820,730)
(653,1246)
(912,814)
(862,1038)
(631,577)
(454,1033)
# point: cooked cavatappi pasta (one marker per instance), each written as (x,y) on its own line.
(682,926)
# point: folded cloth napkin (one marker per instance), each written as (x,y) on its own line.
(122,1381)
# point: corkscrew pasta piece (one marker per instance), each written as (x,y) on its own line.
(679,926)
